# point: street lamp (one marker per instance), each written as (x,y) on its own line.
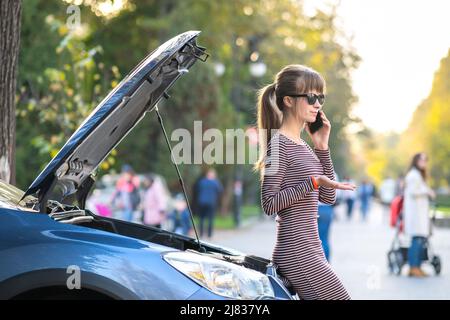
(219,68)
(258,69)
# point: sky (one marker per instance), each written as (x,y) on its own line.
(401,43)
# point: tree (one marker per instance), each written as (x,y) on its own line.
(10,15)
(236,34)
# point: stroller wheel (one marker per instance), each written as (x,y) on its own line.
(437,265)
(395,261)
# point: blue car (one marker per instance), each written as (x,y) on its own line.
(52,247)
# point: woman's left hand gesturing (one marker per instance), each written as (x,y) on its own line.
(328,183)
(321,136)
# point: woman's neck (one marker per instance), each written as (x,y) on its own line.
(292,127)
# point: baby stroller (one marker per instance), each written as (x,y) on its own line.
(398,254)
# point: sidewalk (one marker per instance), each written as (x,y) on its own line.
(358,255)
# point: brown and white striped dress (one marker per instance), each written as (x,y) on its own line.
(287,191)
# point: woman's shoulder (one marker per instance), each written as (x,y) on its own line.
(278,151)
(413,174)
(277,143)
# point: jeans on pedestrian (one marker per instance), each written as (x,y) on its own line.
(350,203)
(415,251)
(127,214)
(365,206)
(206,212)
(324,223)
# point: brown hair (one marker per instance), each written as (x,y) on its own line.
(414,164)
(292,79)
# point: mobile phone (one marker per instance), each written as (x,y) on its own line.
(316,125)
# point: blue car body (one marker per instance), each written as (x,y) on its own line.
(36,252)
(41,256)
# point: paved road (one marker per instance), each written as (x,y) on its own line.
(358,256)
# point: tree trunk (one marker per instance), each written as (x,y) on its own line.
(10,16)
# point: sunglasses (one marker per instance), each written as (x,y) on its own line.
(311,97)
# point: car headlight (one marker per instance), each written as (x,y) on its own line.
(221,277)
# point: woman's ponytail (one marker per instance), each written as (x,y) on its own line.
(269,118)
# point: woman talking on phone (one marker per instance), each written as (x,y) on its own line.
(295,177)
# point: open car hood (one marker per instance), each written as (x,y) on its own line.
(68,176)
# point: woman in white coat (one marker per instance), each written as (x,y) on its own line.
(416,211)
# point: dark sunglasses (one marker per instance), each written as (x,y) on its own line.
(311,97)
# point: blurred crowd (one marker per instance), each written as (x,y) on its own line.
(147,199)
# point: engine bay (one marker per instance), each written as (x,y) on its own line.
(71,214)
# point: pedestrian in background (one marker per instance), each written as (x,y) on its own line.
(388,190)
(416,208)
(209,190)
(154,203)
(349,196)
(126,195)
(180,218)
(400,185)
(325,218)
(365,193)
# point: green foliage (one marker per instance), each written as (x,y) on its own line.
(64,75)
(70,91)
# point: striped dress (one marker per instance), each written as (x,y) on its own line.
(287,191)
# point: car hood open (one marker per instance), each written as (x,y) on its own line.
(68,176)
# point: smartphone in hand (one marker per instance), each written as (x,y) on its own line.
(316,125)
